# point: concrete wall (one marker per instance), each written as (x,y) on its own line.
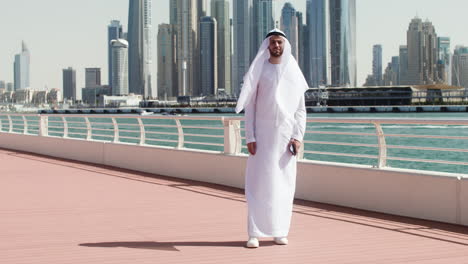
(426,195)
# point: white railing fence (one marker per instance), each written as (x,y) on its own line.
(325,137)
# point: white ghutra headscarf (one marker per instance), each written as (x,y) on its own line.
(292,83)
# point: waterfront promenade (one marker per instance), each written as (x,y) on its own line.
(60,211)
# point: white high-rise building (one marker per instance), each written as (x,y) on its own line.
(21,68)
(119,50)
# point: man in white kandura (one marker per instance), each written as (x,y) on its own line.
(275,120)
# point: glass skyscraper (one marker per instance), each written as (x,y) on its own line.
(21,68)
(316,55)
(289,25)
(377,64)
(343,42)
(263,21)
(445,59)
(208,56)
(167,73)
(69,84)
(243,36)
(139,53)
(114,31)
(220,12)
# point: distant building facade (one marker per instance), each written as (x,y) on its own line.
(377,64)
(92,77)
(119,71)
(114,31)
(220,12)
(208,56)
(342,14)
(460,67)
(289,25)
(69,84)
(22,69)
(167,71)
(315,67)
(243,37)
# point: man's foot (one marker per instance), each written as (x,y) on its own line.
(253,243)
(281,240)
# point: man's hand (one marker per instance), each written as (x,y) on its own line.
(296,143)
(252,147)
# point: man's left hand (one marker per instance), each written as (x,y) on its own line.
(296,143)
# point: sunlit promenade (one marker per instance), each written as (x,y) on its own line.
(60,211)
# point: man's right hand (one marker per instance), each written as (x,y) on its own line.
(252,147)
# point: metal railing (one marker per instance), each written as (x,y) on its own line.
(378,141)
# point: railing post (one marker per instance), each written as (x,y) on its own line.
(43,126)
(116,130)
(88,129)
(382,162)
(180,131)
(232,137)
(10,124)
(25,125)
(142,131)
(65,127)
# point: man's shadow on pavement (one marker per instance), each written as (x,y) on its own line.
(171,246)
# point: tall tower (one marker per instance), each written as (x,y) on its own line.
(167,74)
(289,25)
(422,52)
(302,39)
(139,53)
(403,70)
(316,62)
(460,67)
(208,56)
(69,84)
(343,42)
(21,68)
(119,71)
(114,31)
(377,64)
(185,19)
(443,45)
(243,28)
(396,69)
(220,12)
(263,20)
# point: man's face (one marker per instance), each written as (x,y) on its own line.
(276,46)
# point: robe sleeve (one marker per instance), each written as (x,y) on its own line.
(300,118)
(249,120)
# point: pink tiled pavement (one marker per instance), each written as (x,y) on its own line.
(58,211)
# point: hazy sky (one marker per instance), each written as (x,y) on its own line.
(63,33)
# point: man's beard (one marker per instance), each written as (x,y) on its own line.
(275,54)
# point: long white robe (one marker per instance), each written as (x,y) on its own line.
(271,172)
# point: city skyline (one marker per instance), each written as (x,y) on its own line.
(53,49)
